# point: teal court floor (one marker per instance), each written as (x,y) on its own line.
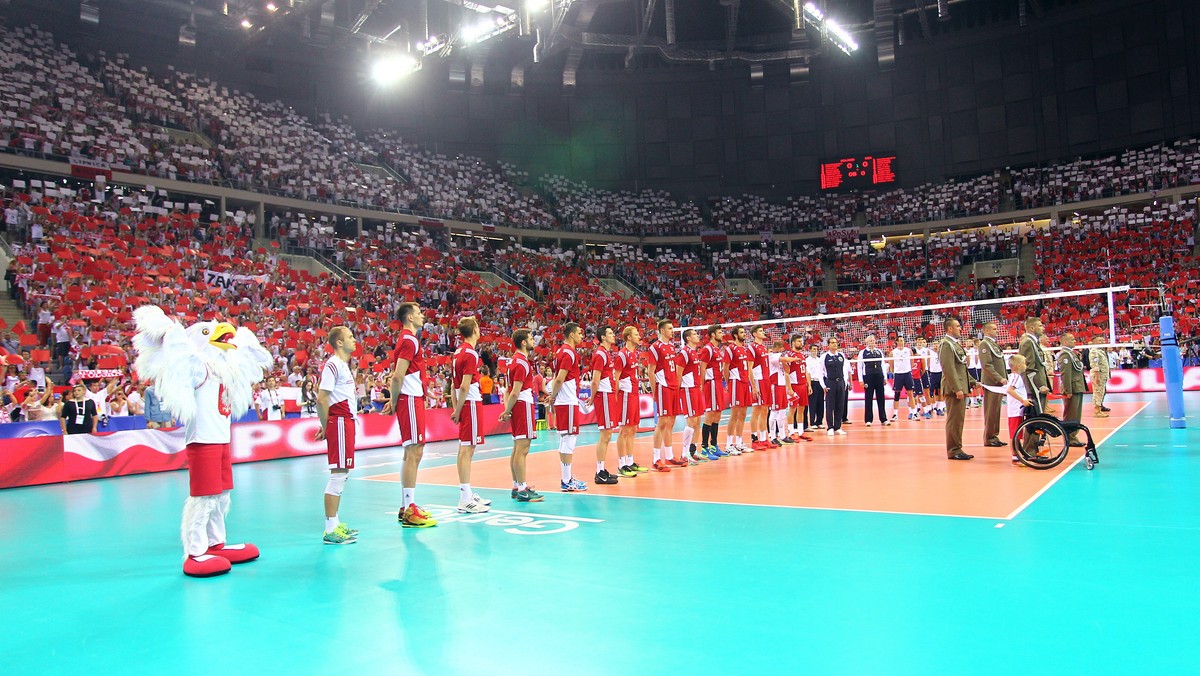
(1099,574)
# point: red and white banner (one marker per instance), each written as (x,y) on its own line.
(83,167)
(95,374)
(53,459)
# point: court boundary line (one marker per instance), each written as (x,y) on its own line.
(1025,505)
(586,494)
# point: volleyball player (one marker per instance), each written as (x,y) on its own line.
(691,398)
(741,390)
(935,379)
(902,378)
(713,366)
(520,405)
(629,401)
(336,408)
(799,389)
(602,400)
(467,401)
(922,380)
(564,395)
(407,390)
(778,380)
(762,400)
(666,394)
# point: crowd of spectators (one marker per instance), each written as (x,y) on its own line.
(83,262)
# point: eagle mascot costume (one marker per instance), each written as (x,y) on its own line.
(204,375)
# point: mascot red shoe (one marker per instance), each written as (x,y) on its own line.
(204,375)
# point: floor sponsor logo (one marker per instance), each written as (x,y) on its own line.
(516,523)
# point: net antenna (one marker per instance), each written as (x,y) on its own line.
(1085,313)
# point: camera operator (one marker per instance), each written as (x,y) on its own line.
(270,401)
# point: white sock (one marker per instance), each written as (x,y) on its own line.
(522,486)
(657,454)
(331,522)
(599,466)
(410,496)
(688,435)
(669,453)
(464,494)
(566,472)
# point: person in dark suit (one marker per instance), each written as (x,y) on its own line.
(956,382)
(872,371)
(834,376)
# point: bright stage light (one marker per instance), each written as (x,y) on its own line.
(271,7)
(246,23)
(391,69)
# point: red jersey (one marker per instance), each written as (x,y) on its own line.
(567,359)
(761,370)
(409,348)
(713,356)
(466,364)
(690,359)
(798,369)
(627,368)
(602,361)
(738,356)
(665,368)
(520,371)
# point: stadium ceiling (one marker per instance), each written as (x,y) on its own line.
(570,34)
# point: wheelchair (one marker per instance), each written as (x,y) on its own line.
(1042,441)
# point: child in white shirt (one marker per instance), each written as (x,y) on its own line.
(1018,397)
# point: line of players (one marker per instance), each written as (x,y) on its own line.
(699,380)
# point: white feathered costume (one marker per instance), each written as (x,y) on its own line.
(204,375)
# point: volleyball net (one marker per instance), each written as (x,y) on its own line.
(1109,313)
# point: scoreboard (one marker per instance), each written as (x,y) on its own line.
(853,173)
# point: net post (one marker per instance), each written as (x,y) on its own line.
(1172,365)
(1112,319)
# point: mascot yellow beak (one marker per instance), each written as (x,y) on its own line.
(221,335)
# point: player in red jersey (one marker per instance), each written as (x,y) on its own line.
(407,399)
(629,401)
(663,370)
(564,396)
(336,408)
(742,389)
(467,402)
(762,400)
(603,400)
(712,365)
(691,395)
(520,405)
(799,388)
(777,379)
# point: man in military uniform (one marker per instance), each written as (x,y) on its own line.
(1098,357)
(956,382)
(1030,347)
(991,359)
(1073,385)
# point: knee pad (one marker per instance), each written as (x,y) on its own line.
(337,483)
(566,444)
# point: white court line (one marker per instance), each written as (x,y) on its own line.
(1063,473)
(586,494)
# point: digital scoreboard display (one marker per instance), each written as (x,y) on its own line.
(856,173)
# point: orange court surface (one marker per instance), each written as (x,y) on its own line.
(898,469)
